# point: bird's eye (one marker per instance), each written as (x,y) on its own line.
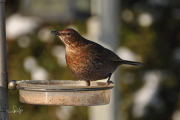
(68,33)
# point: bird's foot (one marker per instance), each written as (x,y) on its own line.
(88,83)
(109,82)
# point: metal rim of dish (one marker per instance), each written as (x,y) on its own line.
(61,85)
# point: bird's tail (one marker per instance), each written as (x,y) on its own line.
(131,63)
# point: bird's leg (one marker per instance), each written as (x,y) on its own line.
(88,83)
(108,81)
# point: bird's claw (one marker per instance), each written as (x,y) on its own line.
(88,83)
(109,82)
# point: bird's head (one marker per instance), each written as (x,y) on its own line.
(68,36)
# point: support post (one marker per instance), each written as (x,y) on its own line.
(110,27)
(109,13)
(4,94)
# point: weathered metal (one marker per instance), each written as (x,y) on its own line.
(12,85)
(4,95)
(64,92)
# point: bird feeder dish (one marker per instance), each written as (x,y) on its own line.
(63,92)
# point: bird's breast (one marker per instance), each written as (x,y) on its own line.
(77,59)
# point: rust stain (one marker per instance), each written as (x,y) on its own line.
(103,91)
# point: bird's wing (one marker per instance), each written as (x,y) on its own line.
(110,55)
(102,52)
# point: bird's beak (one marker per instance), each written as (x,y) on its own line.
(55,33)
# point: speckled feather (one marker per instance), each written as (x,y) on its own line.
(88,60)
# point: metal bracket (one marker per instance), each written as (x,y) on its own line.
(12,85)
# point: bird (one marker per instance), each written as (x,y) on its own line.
(88,60)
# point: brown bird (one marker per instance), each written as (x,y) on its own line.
(88,60)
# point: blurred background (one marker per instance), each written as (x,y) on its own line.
(139,30)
